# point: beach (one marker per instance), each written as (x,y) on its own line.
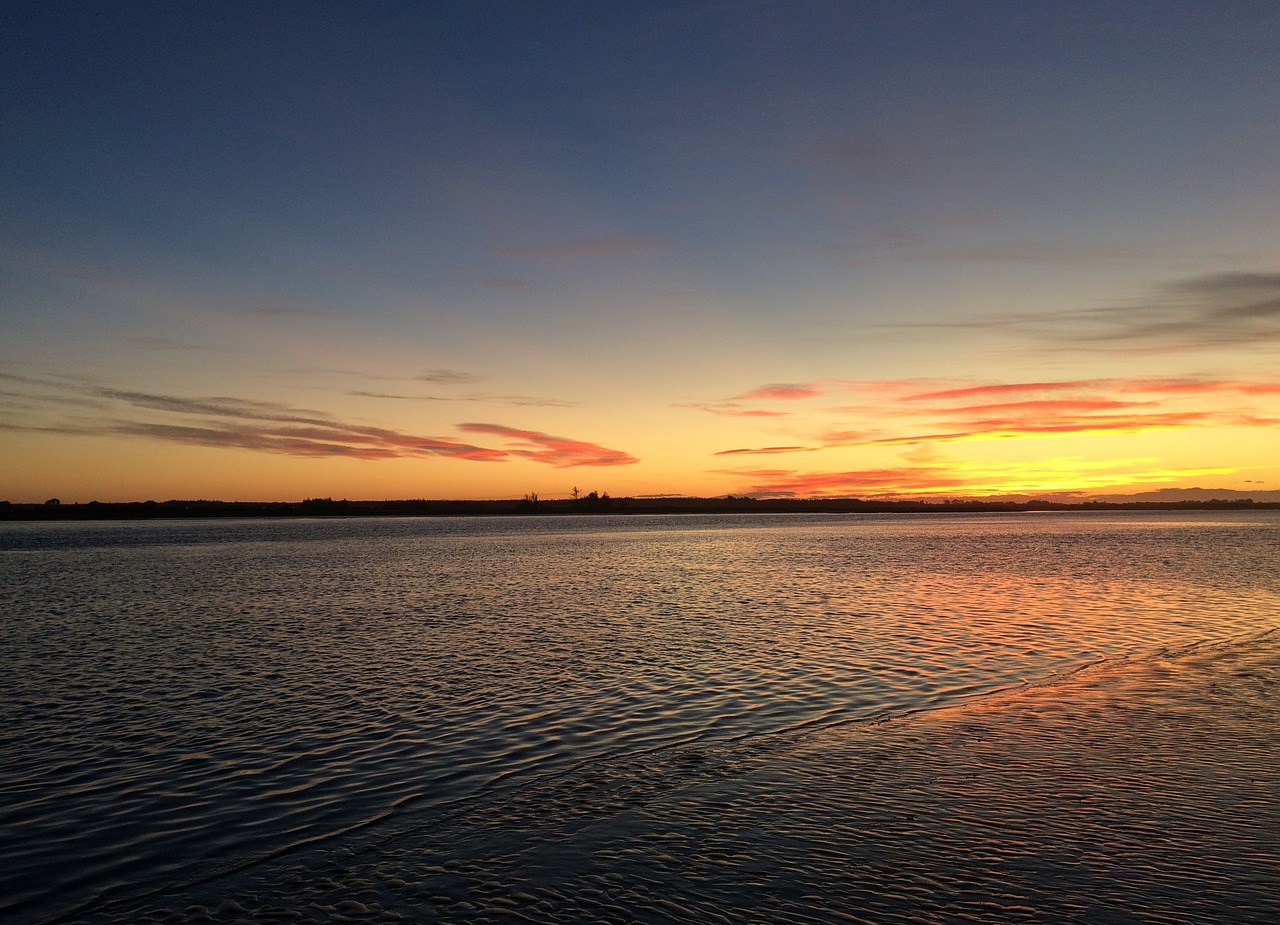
(1136,790)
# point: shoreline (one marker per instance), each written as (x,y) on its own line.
(326,507)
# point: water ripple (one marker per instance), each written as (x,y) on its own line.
(183,700)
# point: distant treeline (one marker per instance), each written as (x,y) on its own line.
(327,507)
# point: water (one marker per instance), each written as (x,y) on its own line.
(188,701)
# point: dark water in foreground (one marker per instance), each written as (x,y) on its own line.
(189,701)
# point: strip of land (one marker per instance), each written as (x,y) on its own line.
(327,507)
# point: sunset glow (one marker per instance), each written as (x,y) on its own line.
(812,250)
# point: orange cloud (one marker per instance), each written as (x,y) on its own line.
(1016,427)
(560,452)
(834,437)
(783,391)
(1000,388)
(263,426)
(733,410)
(764,450)
(1052,407)
(272,427)
(355,443)
(1197,386)
(925,410)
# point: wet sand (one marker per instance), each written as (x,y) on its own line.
(1140,791)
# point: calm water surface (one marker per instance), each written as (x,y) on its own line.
(183,700)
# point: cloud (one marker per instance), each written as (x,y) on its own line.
(732,410)
(1081,406)
(787,392)
(215,407)
(1043,408)
(71,406)
(220,421)
(1237,311)
(1002,388)
(1166,386)
(764,451)
(1216,284)
(906,412)
(772,392)
(834,437)
(433,376)
(1223,309)
(917,250)
(520,401)
(34,393)
(783,391)
(997,428)
(448,377)
(1198,386)
(561,452)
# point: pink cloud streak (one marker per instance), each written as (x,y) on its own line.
(561,452)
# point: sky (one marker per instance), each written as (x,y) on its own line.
(794,249)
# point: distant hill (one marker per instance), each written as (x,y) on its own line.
(1163,495)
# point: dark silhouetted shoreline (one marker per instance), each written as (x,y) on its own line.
(326,507)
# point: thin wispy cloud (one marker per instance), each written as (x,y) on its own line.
(1002,388)
(1199,386)
(448,377)
(906,412)
(265,426)
(731,409)
(142,290)
(781,399)
(561,452)
(87,408)
(519,401)
(1019,252)
(1040,408)
(1233,311)
(782,391)
(1222,309)
(339,441)
(444,377)
(765,450)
